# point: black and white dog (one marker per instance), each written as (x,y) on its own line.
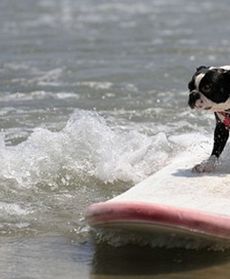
(210,90)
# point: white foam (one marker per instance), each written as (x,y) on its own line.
(42,78)
(95,84)
(87,145)
(12,209)
(36,95)
(49,78)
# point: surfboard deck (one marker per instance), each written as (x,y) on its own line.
(173,201)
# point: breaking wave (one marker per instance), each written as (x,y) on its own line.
(86,146)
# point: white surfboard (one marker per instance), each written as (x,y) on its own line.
(174,202)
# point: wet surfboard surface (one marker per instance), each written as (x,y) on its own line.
(173,201)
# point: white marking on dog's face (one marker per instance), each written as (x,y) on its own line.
(220,107)
(198,80)
(203,103)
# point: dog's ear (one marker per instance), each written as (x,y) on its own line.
(201,68)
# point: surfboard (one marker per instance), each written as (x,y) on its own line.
(173,202)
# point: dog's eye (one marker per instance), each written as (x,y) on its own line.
(206,88)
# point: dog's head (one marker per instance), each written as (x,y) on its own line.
(210,88)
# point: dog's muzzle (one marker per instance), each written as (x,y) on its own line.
(193,97)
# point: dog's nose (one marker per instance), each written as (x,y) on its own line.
(193,97)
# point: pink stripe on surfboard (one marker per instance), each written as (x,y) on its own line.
(213,225)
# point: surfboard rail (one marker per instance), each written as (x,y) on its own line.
(171,205)
(190,221)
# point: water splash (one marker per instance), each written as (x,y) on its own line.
(86,146)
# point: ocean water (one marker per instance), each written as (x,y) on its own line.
(93,99)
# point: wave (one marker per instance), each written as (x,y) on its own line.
(88,145)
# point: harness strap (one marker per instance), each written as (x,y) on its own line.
(224,117)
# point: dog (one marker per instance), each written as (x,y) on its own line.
(209,89)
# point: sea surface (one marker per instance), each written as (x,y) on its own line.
(93,99)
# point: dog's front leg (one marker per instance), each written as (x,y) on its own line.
(221,135)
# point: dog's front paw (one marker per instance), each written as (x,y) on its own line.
(206,166)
